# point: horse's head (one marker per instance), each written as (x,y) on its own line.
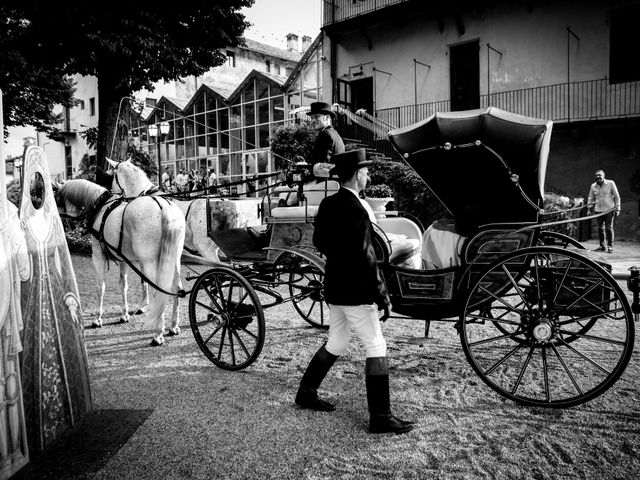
(128,179)
(75,197)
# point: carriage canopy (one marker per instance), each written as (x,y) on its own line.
(486,166)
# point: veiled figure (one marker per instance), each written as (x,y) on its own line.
(55,374)
(14,266)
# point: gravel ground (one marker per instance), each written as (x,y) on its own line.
(169,413)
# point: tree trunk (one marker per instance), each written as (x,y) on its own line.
(112,139)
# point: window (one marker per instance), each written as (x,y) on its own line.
(288,71)
(277,69)
(624,44)
(81,104)
(231,58)
(150,102)
(92,107)
(268,65)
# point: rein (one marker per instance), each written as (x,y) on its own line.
(115,253)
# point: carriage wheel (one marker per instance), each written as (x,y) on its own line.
(552,239)
(226,318)
(569,331)
(306,288)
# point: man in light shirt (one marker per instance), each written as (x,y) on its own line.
(605,197)
(181,181)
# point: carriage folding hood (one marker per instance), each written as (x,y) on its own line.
(472,182)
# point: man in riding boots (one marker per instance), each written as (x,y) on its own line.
(355,291)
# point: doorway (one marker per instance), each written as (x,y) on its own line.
(356,94)
(464,69)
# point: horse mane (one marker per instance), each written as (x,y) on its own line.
(80,192)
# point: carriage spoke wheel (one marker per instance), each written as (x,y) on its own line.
(306,288)
(226,318)
(566,331)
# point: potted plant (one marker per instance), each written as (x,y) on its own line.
(378,196)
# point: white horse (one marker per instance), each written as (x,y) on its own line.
(131,181)
(147,231)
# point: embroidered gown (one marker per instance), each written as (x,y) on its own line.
(55,373)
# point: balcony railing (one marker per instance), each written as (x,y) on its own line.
(577,101)
(334,11)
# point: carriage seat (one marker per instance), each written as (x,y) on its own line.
(441,246)
(404,238)
(314,192)
(295,212)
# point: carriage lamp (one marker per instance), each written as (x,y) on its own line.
(153,130)
(164,128)
(447,146)
(515,177)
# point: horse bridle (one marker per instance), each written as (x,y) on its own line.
(115,176)
(153,189)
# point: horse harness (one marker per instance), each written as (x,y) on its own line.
(112,252)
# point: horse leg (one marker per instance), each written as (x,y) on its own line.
(100,265)
(175,312)
(154,317)
(145,300)
(124,287)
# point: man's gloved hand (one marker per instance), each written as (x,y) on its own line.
(616,213)
(385,314)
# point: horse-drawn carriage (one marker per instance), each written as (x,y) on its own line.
(541,321)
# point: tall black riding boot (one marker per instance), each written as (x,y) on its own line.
(307,396)
(381,419)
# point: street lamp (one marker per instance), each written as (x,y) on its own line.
(164,128)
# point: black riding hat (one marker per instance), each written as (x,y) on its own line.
(349,162)
(321,107)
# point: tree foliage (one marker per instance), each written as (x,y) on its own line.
(127,46)
(32,85)
(291,141)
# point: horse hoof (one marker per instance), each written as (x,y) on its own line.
(140,311)
(96,325)
(156,343)
(123,320)
(173,332)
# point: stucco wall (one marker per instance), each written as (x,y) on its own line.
(532,40)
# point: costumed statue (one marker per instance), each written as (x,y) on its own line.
(55,373)
(14,267)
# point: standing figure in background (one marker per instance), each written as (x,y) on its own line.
(191,184)
(181,181)
(604,194)
(213,180)
(55,373)
(166,179)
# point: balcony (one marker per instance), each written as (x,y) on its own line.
(563,102)
(337,11)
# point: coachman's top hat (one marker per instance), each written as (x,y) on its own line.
(349,162)
(322,107)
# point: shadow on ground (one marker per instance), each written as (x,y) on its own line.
(86,448)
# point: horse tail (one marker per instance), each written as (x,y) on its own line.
(171,245)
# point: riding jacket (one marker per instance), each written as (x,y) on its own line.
(343,233)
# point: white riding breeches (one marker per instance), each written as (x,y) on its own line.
(364,320)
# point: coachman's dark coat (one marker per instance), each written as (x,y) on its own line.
(343,233)
(328,143)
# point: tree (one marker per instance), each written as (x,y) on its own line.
(31,85)
(127,46)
